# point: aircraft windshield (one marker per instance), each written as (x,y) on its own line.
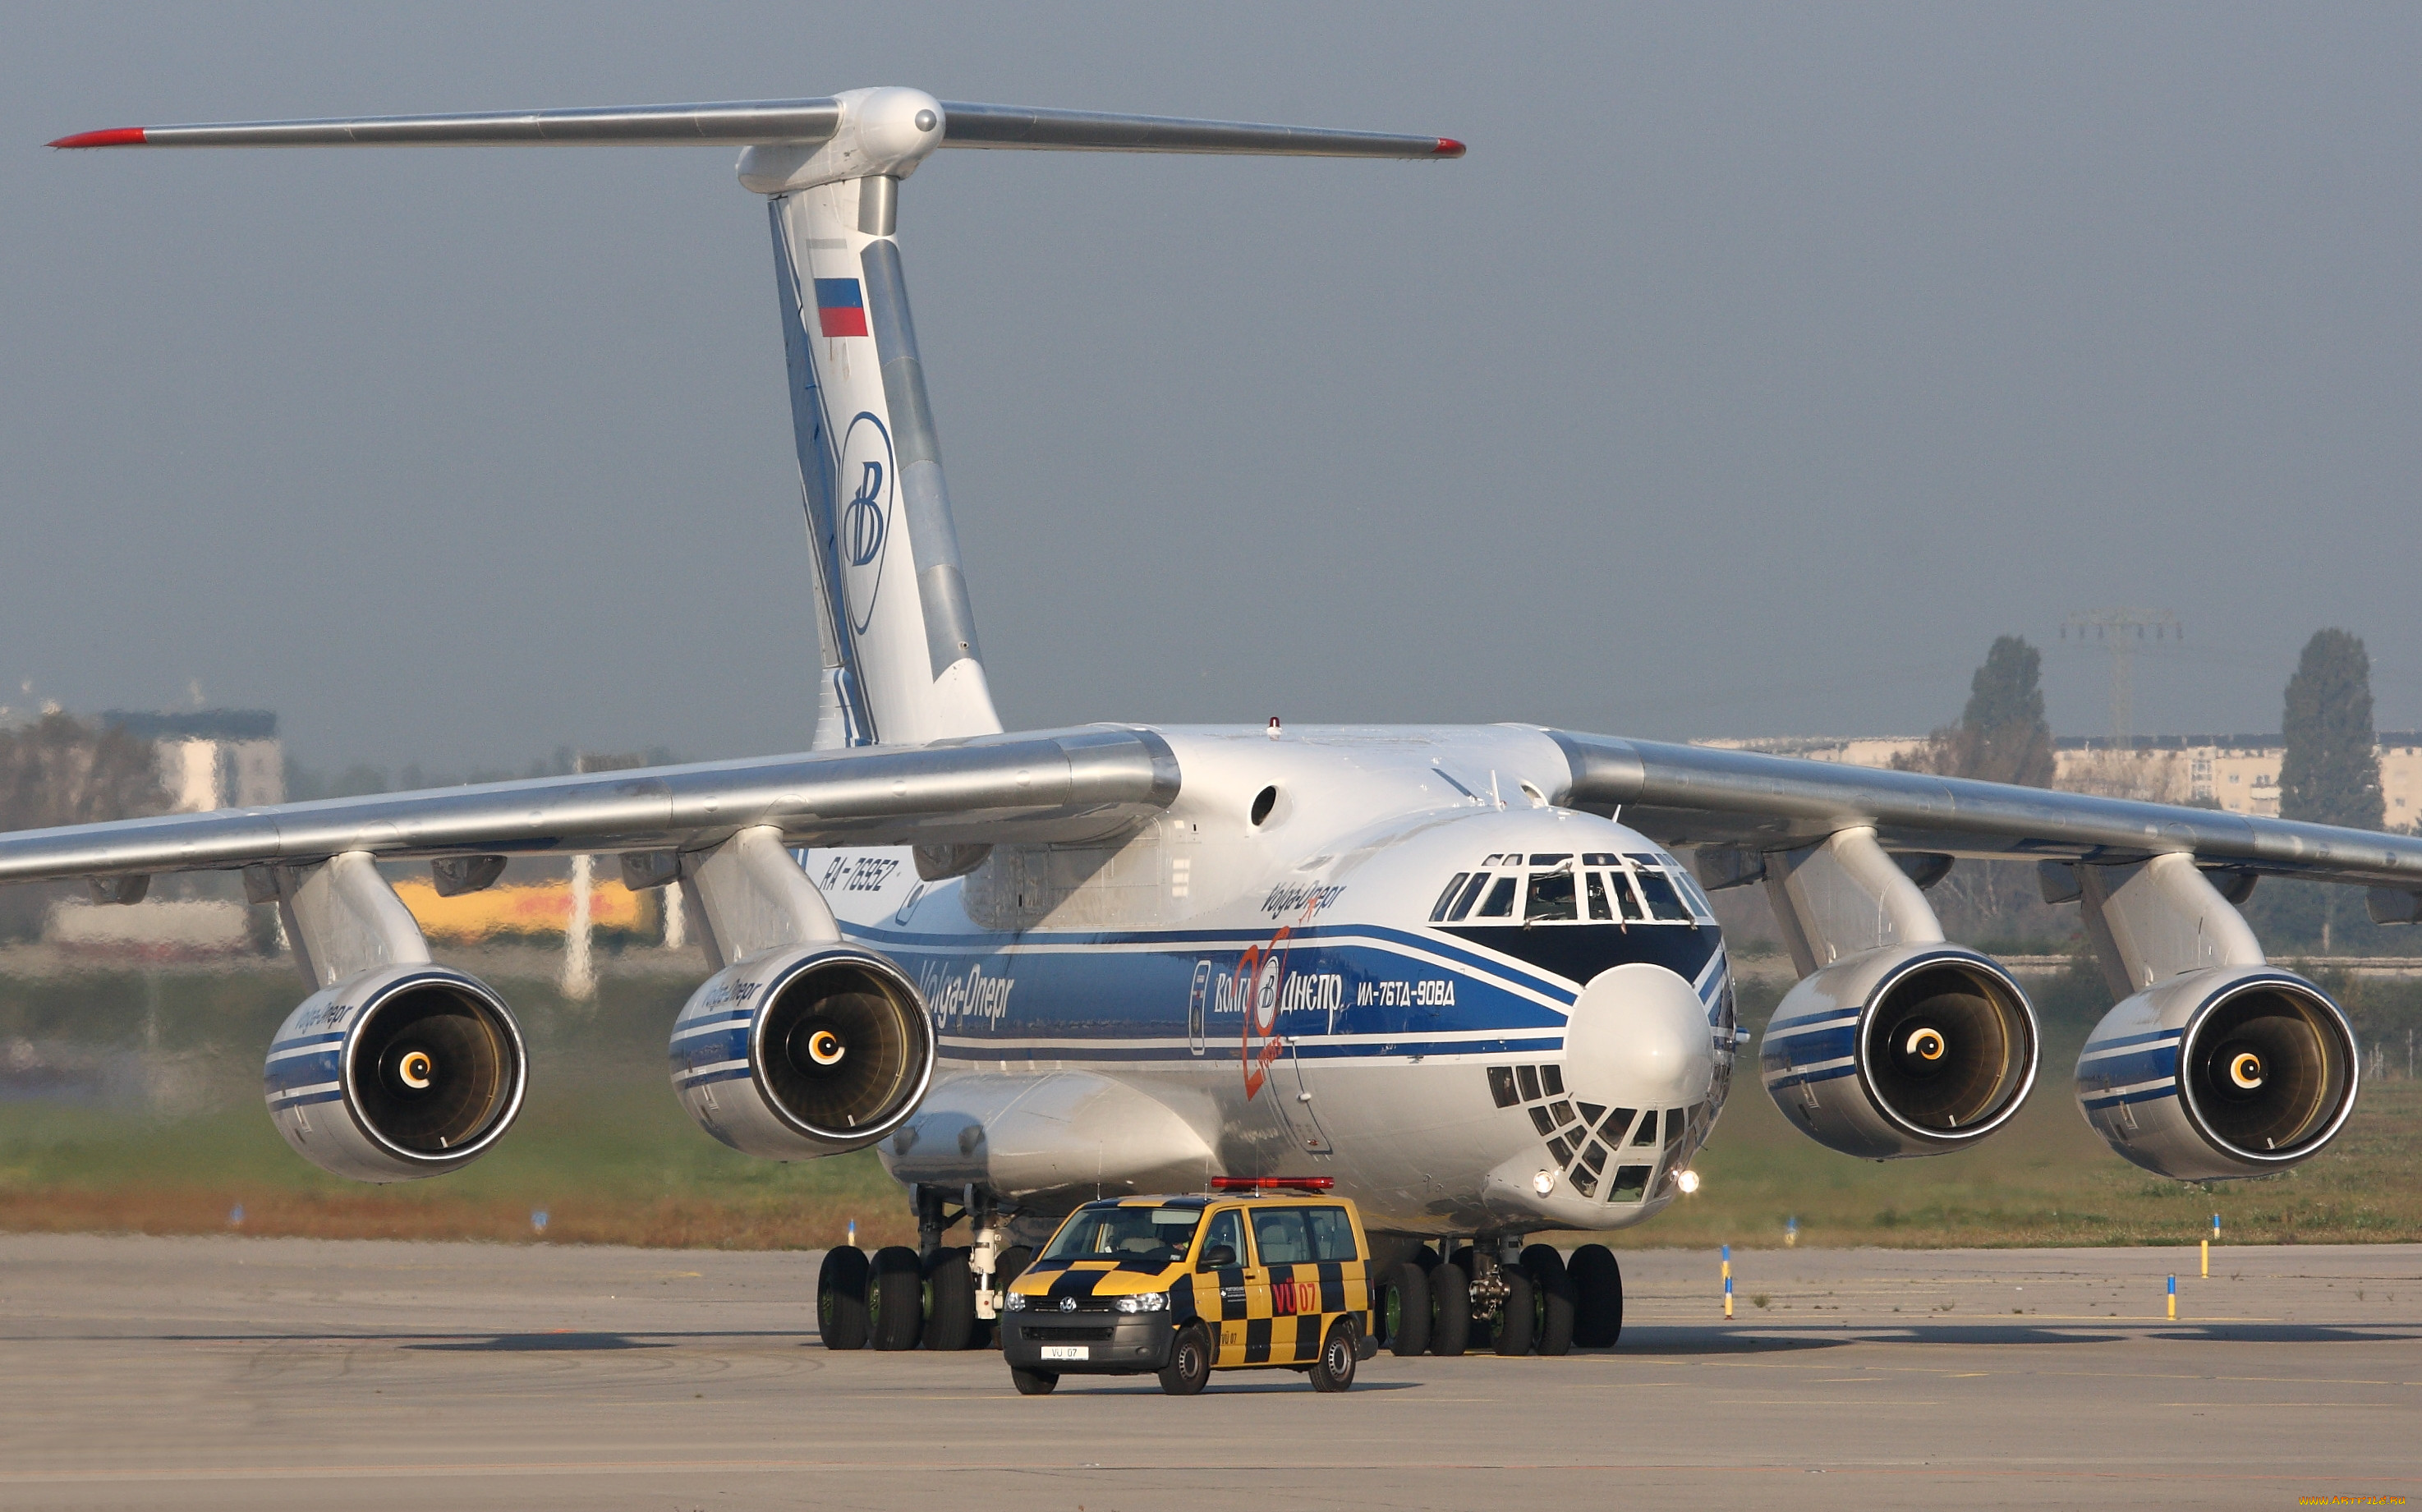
(1159,1234)
(1553,890)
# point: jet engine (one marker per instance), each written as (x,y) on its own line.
(2232,1071)
(401,1072)
(805,1051)
(1905,1050)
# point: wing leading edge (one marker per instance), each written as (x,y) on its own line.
(1056,787)
(1700,795)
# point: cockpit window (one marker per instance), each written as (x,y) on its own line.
(1501,900)
(1625,898)
(1598,906)
(1664,901)
(1551,897)
(1446,898)
(1470,892)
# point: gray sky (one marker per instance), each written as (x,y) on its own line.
(1755,370)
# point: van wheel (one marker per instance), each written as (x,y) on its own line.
(1597,1297)
(1554,1296)
(1032,1382)
(1516,1319)
(1189,1361)
(841,1297)
(1405,1309)
(896,1298)
(1334,1370)
(1450,1310)
(951,1287)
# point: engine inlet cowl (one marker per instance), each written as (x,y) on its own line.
(401,1072)
(2235,1071)
(802,1052)
(1911,1049)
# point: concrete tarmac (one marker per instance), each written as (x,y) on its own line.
(280,1373)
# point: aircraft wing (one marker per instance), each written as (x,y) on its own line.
(1055,786)
(1711,798)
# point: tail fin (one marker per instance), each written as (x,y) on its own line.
(900,657)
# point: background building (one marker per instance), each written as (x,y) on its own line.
(2238,773)
(211,758)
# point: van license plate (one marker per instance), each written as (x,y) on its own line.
(1066,1351)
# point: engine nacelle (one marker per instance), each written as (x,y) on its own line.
(401,1072)
(1910,1049)
(2233,1071)
(810,1050)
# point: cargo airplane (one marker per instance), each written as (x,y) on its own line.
(1460,974)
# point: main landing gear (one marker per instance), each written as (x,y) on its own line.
(933,1296)
(1502,1296)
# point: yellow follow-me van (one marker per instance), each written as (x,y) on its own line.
(1260,1272)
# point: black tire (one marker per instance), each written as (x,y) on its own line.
(895,1298)
(1189,1361)
(951,1295)
(1514,1323)
(1597,1297)
(1476,1334)
(841,1297)
(1334,1371)
(1403,1307)
(1450,1310)
(1032,1382)
(1554,1300)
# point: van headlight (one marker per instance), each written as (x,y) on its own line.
(1147,1302)
(1016,1302)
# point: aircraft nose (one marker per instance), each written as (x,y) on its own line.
(1639,1039)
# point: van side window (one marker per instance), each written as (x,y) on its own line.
(1333,1234)
(1226,1229)
(1279,1237)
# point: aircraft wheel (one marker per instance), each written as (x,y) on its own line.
(1597,1297)
(1334,1370)
(950,1288)
(1404,1308)
(1427,1258)
(1189,1361)
(1555,1298)
(841,1297)
(1032,1382)
(896,1298)
(1515,1322)
(1450,1310)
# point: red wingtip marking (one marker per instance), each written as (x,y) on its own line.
(1448,146)
(114,137)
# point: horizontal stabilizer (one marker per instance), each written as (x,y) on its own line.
(764,121)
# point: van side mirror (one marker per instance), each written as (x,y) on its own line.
(1217,1257)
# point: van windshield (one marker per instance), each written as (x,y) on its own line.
(1160,1235)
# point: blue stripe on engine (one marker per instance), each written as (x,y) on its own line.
(2144,1095)
(1796,1078)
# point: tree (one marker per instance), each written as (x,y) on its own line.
(2331,772)
(2001,736)
(2330,775)
(59,770)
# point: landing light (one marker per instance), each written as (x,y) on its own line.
(1544,1183)
(1687,1181)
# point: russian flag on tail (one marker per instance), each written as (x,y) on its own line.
(840,307)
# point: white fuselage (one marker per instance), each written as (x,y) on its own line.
(1276,977)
